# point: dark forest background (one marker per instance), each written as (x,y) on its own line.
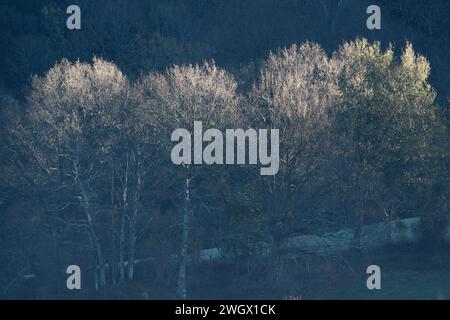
(86,117)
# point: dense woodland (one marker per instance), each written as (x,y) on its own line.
(86,118)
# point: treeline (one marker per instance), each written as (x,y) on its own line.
(143,36)
(87,177)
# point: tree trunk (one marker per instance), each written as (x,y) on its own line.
(122,223)
(100,274)
(182,280)
(133,218)
(122,248)
(100,263)
(113,228)
(100,270)
(131,244)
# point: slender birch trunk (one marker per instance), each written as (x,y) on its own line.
(133,216)
(182,279)
(100,265)
(100,274)
(113,228)
(122,223)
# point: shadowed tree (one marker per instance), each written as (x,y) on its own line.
(384,125)
(73,111)
(176,99)
(295,93)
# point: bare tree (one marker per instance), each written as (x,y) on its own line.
(72,111)
(295,93)
(176,99)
